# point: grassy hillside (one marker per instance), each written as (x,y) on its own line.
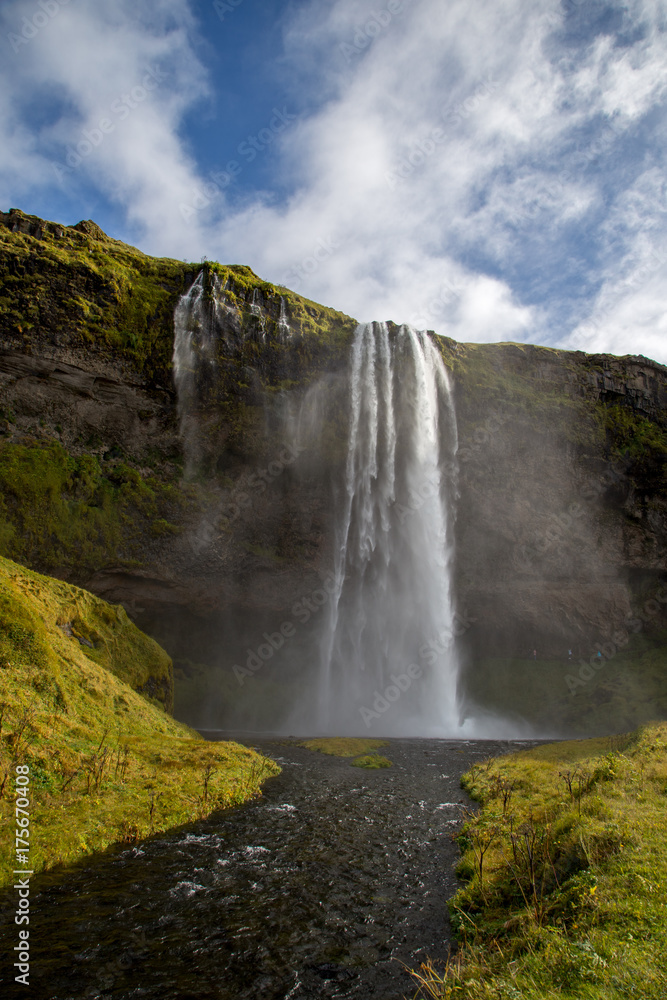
(106,761)
(565,868)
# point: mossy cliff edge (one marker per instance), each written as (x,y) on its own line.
(83,695)
(561,533)
(90,458)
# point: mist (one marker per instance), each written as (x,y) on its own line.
(424,539)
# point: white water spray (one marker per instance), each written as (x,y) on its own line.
(284,329)
(388,663)
(194,354)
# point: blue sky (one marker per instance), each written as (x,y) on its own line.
(493,170)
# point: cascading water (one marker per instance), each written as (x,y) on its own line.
(383,639)
(284,329)
(388,663)
(194,354)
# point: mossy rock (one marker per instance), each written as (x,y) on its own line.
(371,761)
(343,746)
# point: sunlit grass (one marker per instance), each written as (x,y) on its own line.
(343,746)
(566,870)
(106,763)
(371,761)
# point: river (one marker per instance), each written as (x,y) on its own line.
(325,887)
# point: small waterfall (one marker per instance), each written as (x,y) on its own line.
(284,329)
(256,310)
(193,362)
(388,663)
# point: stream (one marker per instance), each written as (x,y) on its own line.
(326,886)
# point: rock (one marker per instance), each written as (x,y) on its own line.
(562,519)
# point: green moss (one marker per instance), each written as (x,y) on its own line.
(161,528)
(371,761)
(58,511)
(262,552)
(82,698)
(641,443)
(535,383)
(342,746)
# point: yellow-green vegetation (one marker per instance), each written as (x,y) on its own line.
(78,283)
(75,512)
(506,383)
(640,443)
(106,762)
(516,381)
(566,870)
(315,324)
(82,287)
(371,761)
(343,746)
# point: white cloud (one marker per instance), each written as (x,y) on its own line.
(452,151)
(629,314)
(128,64)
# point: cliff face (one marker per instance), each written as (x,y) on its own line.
(562,518)
(91,462)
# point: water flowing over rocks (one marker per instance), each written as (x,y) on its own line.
(326,887)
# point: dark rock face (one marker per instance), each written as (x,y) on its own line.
(562,519)
(562,524)
(88,397)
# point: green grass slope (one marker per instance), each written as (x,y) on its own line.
(106,762)
(566,869)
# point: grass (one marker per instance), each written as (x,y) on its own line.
(76,513)
(342,746)
(565,866)
(371,761)
(106,762)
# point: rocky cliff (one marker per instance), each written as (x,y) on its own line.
(563,513)
(562,516)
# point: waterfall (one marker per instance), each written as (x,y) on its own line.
(284,329)
(193,360)
(257,313)
(388,662)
